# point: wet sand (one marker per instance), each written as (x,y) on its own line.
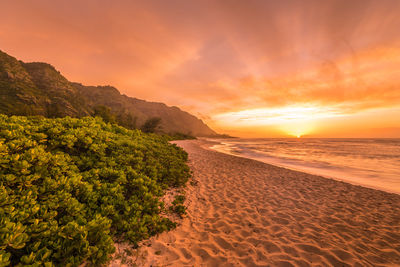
(243,212)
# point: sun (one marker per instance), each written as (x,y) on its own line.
(298,128)
(295,121)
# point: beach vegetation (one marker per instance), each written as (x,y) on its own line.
(70,188)
(181,136)
(151,125)
(177,205)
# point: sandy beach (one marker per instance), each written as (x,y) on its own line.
(243,212)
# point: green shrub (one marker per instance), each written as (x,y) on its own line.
(180,136)
(70,187)
(151,125)
(179,209)
(177,205)
(179,199)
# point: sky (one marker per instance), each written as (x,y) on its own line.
(253,68)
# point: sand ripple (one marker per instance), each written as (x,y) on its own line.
(247,213)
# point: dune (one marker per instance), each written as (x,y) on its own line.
(243,212)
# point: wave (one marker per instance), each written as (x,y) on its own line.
(369,162)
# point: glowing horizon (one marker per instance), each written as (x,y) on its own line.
(252,69)
(295,121)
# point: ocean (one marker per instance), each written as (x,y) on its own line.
(373,163)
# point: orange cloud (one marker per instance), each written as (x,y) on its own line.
(214,56)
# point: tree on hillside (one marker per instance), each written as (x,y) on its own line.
(151,125)
(105,113)
(126,120)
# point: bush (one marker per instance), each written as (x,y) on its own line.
(177,205)
(70,187)
(180,136)
(104,113)
(151,125)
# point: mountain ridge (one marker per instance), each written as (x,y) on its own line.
(38,88)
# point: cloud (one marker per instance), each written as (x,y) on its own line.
(372,83)
(217,56)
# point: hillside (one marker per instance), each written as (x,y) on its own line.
(39,89)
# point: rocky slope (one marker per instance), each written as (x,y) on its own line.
(39,89)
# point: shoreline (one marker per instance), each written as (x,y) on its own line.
(309,171)
(243,212)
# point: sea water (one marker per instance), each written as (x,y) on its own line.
(373,163)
